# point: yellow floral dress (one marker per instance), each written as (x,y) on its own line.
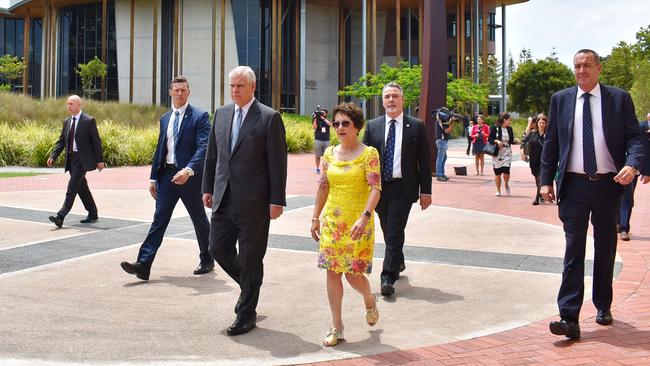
(349,187)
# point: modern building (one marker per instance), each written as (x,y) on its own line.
(303,51)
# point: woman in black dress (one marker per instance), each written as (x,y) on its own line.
(533,143)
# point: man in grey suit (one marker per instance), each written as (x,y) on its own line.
(83,153)
(244,183)
(405,176)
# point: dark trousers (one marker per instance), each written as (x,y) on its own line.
(393,210)
(627,202)
(229,224)
(581,199)
(77,185)
(168,194)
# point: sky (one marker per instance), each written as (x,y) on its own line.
(569,25)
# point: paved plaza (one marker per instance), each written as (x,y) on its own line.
(479,288)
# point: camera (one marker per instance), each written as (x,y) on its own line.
(444,116)
(319,113)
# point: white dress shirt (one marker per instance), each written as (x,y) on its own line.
(397,155)
(604,161)
(170,132)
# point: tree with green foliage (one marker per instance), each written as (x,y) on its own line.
(493,75)
(11,69)
(618,67)
(370,85)
(525,55)
(88,72)
(641,48)
(641,89)
(532,84)
(462,93)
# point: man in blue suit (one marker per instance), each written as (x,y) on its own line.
(594,145)
(176,173)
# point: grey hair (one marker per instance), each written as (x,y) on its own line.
(392,84)
(75,97)
(245,71)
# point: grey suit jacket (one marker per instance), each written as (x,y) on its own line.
(256,170)
(416,155)
(89,144)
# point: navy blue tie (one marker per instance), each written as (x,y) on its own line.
(588,150)
(389,153)
(175,129)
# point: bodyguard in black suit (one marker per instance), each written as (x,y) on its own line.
(405,161)
(83,153)
(244,184)
(176,174)
(593,143)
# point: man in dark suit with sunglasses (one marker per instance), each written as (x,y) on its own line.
(405,176)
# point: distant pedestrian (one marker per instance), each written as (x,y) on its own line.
(321,126)
(533,143)
(83,153)
(502,135)
(479,135)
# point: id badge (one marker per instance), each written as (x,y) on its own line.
(322,129)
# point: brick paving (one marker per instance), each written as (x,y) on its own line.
(625,342)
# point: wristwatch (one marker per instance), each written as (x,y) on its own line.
(367,213)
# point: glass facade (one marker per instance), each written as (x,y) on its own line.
(289,67)
(80,40)
(12,36)
(253,34)
(166,50)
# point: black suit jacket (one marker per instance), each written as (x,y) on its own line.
(192,142)
(415,152)
(89,144)
(620,126)
(256,170)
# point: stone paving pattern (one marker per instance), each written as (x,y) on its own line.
(626,342)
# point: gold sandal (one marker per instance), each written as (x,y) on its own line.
(333,337)
(372,314)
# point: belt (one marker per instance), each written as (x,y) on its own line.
(395,180)
(171,167)
(593,178)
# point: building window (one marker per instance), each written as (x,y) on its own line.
(468,26)
(80,40)
(451,65)
(492,26)
(451,25)
(12,35)
(252,20)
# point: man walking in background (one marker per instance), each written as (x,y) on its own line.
(176,174)
(405,157)
(83,153)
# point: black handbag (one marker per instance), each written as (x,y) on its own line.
(491,149)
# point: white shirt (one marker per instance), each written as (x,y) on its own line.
(170,132)
(76,125)
(397,155)
(604,161)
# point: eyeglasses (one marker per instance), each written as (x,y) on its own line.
(337,124)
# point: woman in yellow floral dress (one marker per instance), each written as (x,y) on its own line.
(347,194)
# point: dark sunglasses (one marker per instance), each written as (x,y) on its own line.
(345,124)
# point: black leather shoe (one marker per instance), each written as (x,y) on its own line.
(567,328)
(604,317)
(204,268)
(139,269)
(57,220)
(241,327)
(402,267)
(387,288)
(89,219)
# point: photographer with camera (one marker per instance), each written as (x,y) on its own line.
(445,120)
(321,126)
